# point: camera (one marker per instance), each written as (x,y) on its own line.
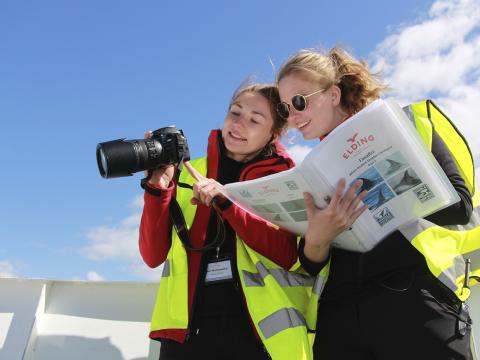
(117,158)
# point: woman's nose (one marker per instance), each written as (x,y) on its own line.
(239,120)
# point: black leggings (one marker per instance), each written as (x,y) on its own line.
(417,323)
(218,338)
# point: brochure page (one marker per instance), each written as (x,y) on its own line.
(277,198)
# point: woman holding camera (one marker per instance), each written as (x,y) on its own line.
(223,301)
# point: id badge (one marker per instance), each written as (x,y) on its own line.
(219,270)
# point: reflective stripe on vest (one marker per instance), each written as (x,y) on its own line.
(282,277)
(281,320)
(445,252)
(447,248)
(319,283)
(166,268)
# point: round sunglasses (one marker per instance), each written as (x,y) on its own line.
(299,103)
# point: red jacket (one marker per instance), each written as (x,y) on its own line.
(155,228)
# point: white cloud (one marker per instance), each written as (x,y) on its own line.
(6,270)
(132,221)
(120,243)
(137,202)
(114,242)
(94,276)
(438,58)
(298,152)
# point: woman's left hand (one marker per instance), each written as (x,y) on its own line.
(325,224)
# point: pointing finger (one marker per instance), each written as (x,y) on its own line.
(195,174)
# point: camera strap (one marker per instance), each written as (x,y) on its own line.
(178,221)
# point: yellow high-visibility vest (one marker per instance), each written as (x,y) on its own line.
(282,304)
(448,249)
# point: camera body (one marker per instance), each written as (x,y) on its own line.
(167,146)
(118,158)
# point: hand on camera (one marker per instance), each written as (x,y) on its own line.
(205,190)
(162,176)
(327,223)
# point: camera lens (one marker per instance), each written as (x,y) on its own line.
(102,164)
(121,157)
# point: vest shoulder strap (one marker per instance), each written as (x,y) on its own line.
(427,116)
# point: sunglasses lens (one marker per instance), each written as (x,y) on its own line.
(282,110)
(299,102)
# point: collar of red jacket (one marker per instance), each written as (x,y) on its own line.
(280,160)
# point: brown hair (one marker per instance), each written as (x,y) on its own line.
(270,93)
(358,85)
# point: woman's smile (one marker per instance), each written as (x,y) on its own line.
(303,124)
(236,137)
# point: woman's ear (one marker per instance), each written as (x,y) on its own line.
(275,137)
(336,95)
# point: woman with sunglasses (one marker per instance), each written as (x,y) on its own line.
(383,304)
(216,323)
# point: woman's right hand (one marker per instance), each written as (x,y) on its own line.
(326,224)
(162,176)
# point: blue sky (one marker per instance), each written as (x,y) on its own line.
(75,73)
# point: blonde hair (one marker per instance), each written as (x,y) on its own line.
(270,93)
(358,85)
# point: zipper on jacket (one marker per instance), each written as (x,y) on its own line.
(201,275)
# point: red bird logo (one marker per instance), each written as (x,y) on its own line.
(352,139)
